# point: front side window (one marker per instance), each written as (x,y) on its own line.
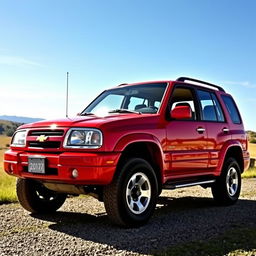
(232,109)
(183,97)
(144,98)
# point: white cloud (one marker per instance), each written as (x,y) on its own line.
(17,61)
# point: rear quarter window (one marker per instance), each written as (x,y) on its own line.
(232,109)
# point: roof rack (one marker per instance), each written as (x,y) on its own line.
(183,79)
(122,84)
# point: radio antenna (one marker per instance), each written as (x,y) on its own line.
(67,96)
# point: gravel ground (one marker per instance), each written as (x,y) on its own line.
(81,226)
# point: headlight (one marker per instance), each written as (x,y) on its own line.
(19,139)
(83,138)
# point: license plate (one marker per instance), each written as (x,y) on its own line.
(36,165)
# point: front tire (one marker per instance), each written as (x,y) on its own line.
(36,198)
(226,189)
(131,198)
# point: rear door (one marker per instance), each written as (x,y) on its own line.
(217,127)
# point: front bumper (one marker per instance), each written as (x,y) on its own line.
(93,168)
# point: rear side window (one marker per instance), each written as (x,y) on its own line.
(210,107)
(220,115)
(232,109)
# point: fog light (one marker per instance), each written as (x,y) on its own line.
(75,173)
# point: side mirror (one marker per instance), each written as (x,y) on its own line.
(78,114)
(181,112)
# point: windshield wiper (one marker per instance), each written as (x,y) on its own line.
(86,114)
(122,110)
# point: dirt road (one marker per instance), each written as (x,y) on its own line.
(81,226)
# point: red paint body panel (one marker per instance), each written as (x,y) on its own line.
(94,168)
(187,148)
(183,152)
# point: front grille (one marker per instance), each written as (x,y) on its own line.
(45,138)
(46,144)
(46,133)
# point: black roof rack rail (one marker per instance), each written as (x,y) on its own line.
(183,79)
(122,84)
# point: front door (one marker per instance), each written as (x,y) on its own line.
(186,139)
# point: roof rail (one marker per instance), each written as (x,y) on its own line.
(122,84)
(183,79)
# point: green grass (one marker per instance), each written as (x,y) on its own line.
(7,188)
(239,241)
(250,173)
(7,183)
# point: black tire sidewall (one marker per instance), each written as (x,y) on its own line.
(219,189)
(232,163)
(134,166)
(28,198)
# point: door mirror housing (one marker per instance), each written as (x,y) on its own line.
(181,112)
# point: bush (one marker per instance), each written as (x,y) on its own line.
(253,140)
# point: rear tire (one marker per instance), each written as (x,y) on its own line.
(36,198)
(226,189)
(131,198)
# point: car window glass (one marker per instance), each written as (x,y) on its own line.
(111,101)
(136,103)
(183,97)
(218,109)
(207,106)
(232,109)
(129,98)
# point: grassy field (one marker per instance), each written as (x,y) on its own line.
(251,173)
(7,183)
(252,150)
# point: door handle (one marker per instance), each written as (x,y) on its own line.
(200,130)
(225,129)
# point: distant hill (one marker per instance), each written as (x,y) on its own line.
(8,127)
(20,119)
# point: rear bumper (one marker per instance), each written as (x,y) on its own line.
(93,168)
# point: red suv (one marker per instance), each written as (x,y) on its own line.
(131,142)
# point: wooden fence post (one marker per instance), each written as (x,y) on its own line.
(252,162)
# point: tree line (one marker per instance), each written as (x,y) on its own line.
(8,128)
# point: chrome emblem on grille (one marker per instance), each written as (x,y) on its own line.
(42,138)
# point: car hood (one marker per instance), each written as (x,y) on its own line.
(84,121)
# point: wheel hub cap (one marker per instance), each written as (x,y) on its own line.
(232,181)
(138,193)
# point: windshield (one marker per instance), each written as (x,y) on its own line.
(144,98)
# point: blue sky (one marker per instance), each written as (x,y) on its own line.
(104,43)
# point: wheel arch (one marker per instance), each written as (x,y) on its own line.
(143,146)
(233,150)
